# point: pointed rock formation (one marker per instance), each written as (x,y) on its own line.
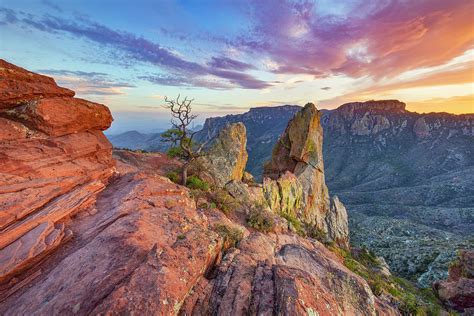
(297,170)
(337,223)
(227,157)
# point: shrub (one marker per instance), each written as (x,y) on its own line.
(174,152)
(223,201)
(295,223)
(173,176)
(231,235)
(261,220)
(316,233)
(194,183)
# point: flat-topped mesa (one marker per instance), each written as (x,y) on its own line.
(54,159)
(374,105)
(294,181)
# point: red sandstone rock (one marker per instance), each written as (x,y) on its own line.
(18,85)
(11,130)
(458,291)
(61,116)
(53,163)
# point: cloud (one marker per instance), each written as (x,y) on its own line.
(455,104)
(87,83)
(130,47)
(52,5)
(228,63)
(380,39)
(7,16)
(326,88)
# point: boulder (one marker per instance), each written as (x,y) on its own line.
(226,159)
(61,116)
(457,292)
(18,85)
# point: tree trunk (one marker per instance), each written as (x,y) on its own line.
(184,173)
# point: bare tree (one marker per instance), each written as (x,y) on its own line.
(180,135)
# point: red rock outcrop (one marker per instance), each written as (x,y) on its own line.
(18,85)
(54,159)
(457,291)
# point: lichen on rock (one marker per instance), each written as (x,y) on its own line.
(294,181)
(226,158)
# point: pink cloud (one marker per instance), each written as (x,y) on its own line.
(382,40)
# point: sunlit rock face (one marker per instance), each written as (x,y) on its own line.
(227,157)
(297,167)
(54,159)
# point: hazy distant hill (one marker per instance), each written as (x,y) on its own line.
(135,140)
(407,178)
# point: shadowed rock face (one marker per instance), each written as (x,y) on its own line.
(76,240)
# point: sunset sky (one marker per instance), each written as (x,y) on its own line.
(233,55)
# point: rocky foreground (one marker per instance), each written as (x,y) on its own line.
(82,233)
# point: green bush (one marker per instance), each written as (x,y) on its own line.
(223,201)
(194,183)
(174,152)
(261,220)
(231,235)
(173,176)
(295,223)
(316,233)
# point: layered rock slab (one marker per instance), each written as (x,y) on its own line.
(54,159)
(283,275)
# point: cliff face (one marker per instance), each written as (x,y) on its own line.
(77,240)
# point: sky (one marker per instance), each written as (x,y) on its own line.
(232,55)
